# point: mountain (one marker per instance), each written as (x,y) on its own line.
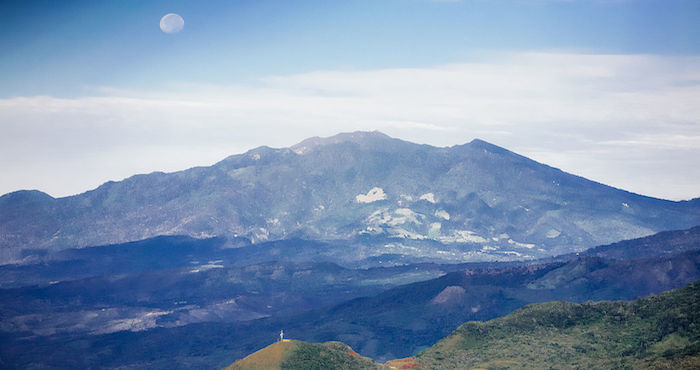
(660,331)
(468,202)
(293,354)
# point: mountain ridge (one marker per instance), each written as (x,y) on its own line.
(317,141)
(479,200)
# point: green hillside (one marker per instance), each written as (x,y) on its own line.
(661,331)
(301,355)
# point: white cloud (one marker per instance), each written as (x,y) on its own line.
(613,118)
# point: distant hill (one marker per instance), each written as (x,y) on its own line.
(662,244)
(660,332)
(468,202)
(295,354)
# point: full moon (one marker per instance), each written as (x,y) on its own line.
(172,23)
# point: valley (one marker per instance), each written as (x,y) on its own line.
(198,316)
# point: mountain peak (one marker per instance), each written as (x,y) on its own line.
(478,143)
(359,137)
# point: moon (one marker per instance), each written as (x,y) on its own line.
(172,23)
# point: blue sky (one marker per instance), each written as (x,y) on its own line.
(68,47)
(92,91)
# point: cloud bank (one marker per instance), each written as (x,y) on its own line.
(631,121)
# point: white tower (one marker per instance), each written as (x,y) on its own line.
(281,335)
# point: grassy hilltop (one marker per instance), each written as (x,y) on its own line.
(294,354)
